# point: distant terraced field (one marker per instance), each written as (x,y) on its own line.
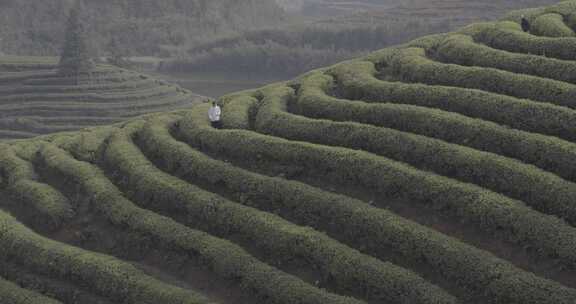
(35,100)
(440,171)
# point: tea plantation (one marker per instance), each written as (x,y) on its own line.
(36,100)
(442,171)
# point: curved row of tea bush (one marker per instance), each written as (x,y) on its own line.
(98,87)
(31,121)
(224,257)
(25,63)
(356,80)
(270,119)
(378,174)
(13,294)
(11,134)
(461,49)
(24,66)
(102,102)
(19,179)
(14,77)
(58,289)
(548,153)
(371,278)
(507,35)
(362,225)
(541,190)
(551,25)
(411,65)
(58,113)
(75,109)
(105,275)
(90,98)
(566,9)
(255,208)
(94,80)
(485,209)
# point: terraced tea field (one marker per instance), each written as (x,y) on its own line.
(440,171)
(35,100)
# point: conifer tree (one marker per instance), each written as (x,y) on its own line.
(75,57)
(117,54)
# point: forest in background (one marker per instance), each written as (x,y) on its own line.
(139,27)
(355,29)
(294,49)
(264,37)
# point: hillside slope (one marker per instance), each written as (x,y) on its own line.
(440,171)
(36,100)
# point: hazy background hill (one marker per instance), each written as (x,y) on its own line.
(219,46)
(343,7)
(143,27)
(326,31)
(323,8)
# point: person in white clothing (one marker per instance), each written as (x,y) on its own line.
(214,115)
